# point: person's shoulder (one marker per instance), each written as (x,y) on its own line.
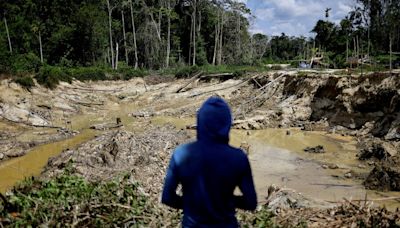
(181,152)
(239,153)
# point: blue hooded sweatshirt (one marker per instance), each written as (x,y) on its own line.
(209,170)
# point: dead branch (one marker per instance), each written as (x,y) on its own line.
(96,90)
(216,75)
(192,79)
(29,124)
(88,104)
(215,90)
(333,185)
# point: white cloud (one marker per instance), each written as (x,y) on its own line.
(295,17)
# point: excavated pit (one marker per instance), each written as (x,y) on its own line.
(330,105)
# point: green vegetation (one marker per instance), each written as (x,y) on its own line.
(50,76)
(71,201)
(187,71)
(110,40)
(25,81)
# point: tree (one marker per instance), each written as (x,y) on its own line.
(134,35)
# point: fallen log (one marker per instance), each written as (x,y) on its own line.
(215,90)
(88,104)
(29,124)
(334,185)
(97,90)
(192,79)
(217,75)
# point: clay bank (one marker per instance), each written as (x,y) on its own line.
(324,136)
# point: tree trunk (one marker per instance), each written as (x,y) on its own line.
(221,35)
(168,35)
(216,42)
(156,25)
(110,33)
(8,35)
(194,31)
(40,47)
(134,37)
(116,56)
(347,49)
(191,39)
(124,35)
(238,40)
(390,52)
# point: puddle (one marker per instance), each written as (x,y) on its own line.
(31,164)
(276,156)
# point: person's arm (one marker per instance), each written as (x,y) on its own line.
(169,196)
(247,201)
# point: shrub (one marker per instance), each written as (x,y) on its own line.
(25,63)
(66,199)
(186,71)
(26,82)
(88,73)
(50,76)
(132,73)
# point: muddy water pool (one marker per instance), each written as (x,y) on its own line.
(276,156)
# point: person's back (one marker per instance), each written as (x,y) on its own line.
(209,171)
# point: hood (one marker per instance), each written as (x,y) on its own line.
(214,121)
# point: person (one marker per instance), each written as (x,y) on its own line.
(209,170)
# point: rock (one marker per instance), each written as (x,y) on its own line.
(333,166)
(283,198)
(245,147)
(318,149)
(385,176)
(325,166)
(389,148)
(15,153)
(105,126)
(361,166)
(348,175)
(377,149)
(1,156)
(371,162)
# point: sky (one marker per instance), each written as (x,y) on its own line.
(294,17)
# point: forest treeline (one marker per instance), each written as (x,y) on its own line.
(158,34)
(149,34)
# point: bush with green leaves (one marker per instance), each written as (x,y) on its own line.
(88,73)
(186,71)
(69,200)
(24,63)
(25,81)
(50,76)
(130,73)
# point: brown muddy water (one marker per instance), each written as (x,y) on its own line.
(276,157)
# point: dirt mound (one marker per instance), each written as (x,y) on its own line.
(348,214)
(281,199)
(385,176)
(145,155)
(377,149)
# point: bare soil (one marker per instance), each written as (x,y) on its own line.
(365,107)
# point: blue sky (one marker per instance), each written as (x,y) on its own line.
(294,17)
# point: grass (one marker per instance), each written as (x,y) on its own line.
(187,71)
(69,200)
(25,81)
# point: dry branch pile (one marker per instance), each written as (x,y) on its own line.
(347,214)
(146,156)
